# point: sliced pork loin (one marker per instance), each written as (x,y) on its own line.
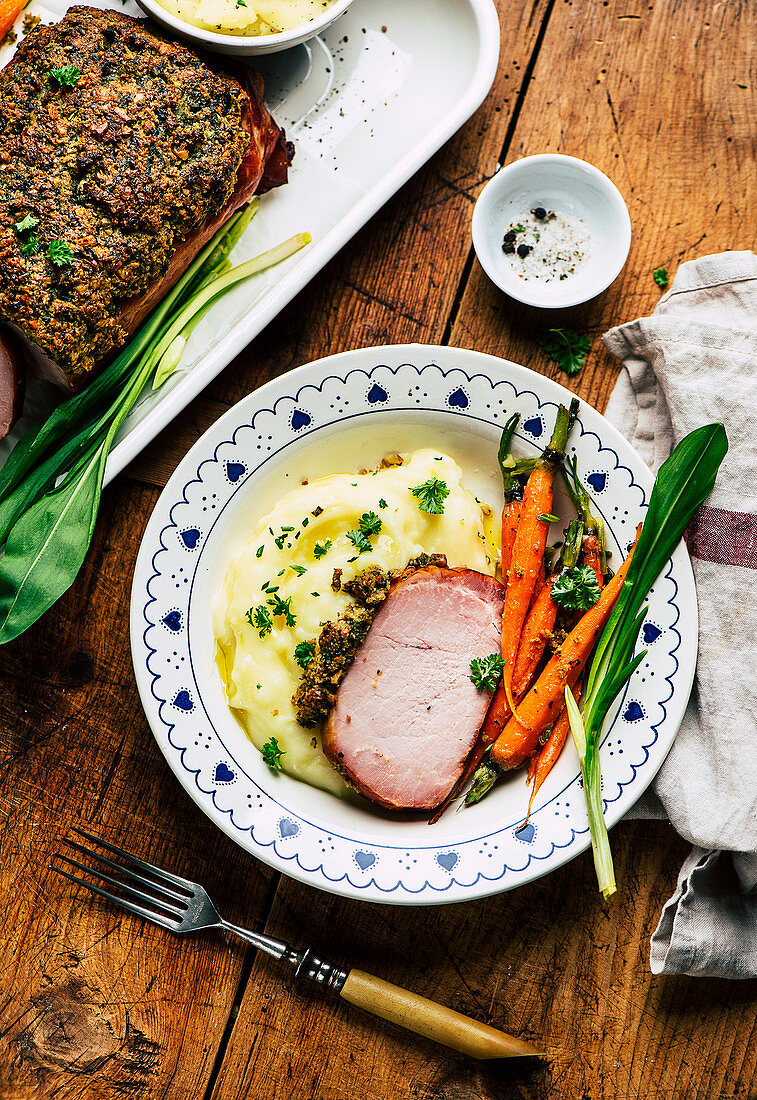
(407,713)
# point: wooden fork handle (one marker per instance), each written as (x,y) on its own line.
(432,1020)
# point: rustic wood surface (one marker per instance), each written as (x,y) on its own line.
(94,1004)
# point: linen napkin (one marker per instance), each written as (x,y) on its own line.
(694,361)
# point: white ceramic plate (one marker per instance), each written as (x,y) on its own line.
(363,404)
(365,107)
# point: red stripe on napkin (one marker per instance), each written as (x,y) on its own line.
(726,538)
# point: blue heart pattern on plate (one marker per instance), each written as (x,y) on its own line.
(173,620)
(597,481)
(223,773)
(300,420)
(364,860)
(534,426)
(634,712)
(235,470)
(288,828)
(458,399)
(183,701)
(526,834)
(376,394)
(447,860)
(190,537)
(651,633)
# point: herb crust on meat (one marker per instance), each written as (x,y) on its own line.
(120,164)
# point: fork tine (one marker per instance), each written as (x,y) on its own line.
(159,873)
(181,898)
(171,909)
(156,918)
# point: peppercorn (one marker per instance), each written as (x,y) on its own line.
(508,242)
(523,250)
(539,213)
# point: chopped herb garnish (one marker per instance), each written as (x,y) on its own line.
(382,503)
(315,593)
(321,549)
(304,653)
(305,522)
(286,530)
(59,253)
(28,222)
(486,671)
(360,541)
(298,569)
(30,245)
(576,588)
(260,619)
(65,76)
(566,348)
(281,572)
(272,754)
(431,495)
(661,277)
(282,607)
(370,524)
(259,552)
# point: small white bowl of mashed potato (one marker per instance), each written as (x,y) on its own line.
(245,27)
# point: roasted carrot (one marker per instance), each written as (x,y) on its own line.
(9,12)
(594,537)
(514,472)
(543,702)
(528,548)
(543,761)
(537,630)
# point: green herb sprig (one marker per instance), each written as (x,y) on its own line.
(272,754)
(486,671)
(565,347)
(660,276)
(431,495)
(51,483)
(576,588)
(65,76)
(683,483)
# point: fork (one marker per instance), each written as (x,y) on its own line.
(182,906)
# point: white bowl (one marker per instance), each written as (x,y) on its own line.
(568,186)
(244,45)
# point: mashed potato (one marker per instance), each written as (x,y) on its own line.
(245,17)
(277,590)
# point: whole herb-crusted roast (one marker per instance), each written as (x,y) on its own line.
(121,153)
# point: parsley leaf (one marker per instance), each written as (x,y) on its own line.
(321,549)
(360,541)
(260,619)
(30,245)
(576,588)
(65,76)
(431,495)
(382,503)
(28,222)
(59,253)
(661,277)
(370,524)
(272,754)
(566,348)
(282,607)
(485,671)
(304,653)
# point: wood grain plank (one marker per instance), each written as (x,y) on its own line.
(93,1002)
(396,282)
(651,94)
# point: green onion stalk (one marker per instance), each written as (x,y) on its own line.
(683,483)
(51,484)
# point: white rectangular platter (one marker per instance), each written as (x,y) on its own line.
(366,105)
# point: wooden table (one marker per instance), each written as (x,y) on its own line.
(96,1005)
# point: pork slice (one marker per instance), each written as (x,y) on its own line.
(407,713)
